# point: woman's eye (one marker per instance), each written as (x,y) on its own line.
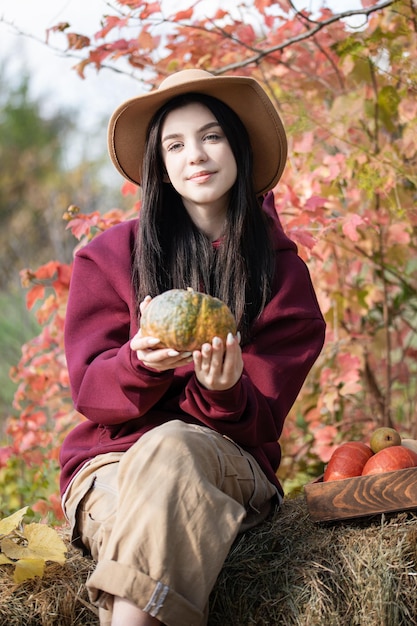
(212,137)
(174,147)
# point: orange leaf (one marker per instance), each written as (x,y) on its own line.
(184,15)
(80,67)
(263,4)
(399,233)
(153,7)
(146,41)
(133,4)
(81,226)
(60,27)
(64,273)
(47,270)
(246,34)
(304,238)
(110,22)
(36,293)
(350,225)
(129,188)
(77,42)
(26,277)
(98,55)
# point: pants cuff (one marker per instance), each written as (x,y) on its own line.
(111,578)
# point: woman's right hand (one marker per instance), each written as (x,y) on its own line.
(160,359)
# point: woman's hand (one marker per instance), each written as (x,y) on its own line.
(219,366)
(160,359)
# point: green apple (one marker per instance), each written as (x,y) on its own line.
(384,437)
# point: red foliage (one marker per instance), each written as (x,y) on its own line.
(77,42)
(183,15)
(110,22)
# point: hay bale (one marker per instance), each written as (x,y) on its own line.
(59,598)
(289,571)
(294,572)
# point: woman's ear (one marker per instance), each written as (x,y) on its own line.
(165,177)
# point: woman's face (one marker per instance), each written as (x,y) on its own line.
(199,161)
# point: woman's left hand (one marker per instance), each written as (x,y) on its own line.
(218,366)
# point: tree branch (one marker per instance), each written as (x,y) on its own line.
(309,33)
(258,55)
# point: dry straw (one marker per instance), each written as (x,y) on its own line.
(288,572)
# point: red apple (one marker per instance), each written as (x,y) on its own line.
(347,461)
(390,459)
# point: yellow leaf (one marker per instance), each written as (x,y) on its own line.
(43,543)
(10,523)
(13,550)
(4,560)
(28,568)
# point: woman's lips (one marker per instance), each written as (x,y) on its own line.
(201,176)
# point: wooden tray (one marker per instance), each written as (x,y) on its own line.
(362,496)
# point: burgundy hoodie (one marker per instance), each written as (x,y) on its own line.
(122,399)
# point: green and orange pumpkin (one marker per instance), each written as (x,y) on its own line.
(184,319)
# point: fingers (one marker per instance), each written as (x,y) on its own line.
(210,358)
(144,304)
(232,348)
(160,359)
(217,354)
(217,365)
(164,359)
(143,343)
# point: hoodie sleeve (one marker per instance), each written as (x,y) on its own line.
(109,385)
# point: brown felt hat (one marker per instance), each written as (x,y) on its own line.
(129,123)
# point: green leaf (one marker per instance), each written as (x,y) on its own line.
(348,46)
(388,101)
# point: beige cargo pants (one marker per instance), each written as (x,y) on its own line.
(160,519)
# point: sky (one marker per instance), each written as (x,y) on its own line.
(51,74)
(52,78)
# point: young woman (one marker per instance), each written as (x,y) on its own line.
(179,451)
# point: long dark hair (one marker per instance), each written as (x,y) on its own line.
(171,252)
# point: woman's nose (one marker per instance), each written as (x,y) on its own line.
(197,154)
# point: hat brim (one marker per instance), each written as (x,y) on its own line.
(245,96)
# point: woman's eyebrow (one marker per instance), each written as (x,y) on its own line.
(209,125)
(200,130)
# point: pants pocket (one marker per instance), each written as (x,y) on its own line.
(245,482)
(95,515)
(238,479)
